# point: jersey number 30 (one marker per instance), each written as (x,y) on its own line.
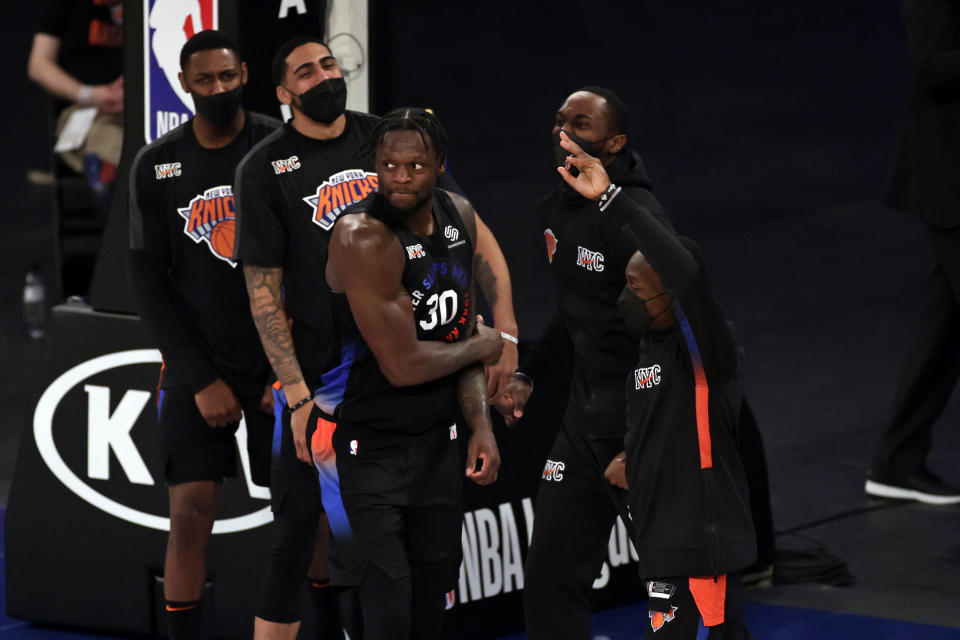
(441,308)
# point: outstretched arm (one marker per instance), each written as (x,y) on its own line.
(366,263)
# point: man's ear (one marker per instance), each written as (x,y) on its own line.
(243,73)
(616,143)
(283,95)
(183,82)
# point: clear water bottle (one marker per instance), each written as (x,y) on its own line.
(35,303)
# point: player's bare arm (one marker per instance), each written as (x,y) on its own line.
(266,305)
(366,263)
(491,274)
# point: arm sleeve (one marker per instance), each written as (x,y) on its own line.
(261,234)
(622,246)
(931,40)
(553,346)
(159,306)
(695,309)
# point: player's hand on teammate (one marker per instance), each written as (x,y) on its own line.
(499,374)
(491,343)
(482,448)
(512,399)
(592,180)
(616,473)
(218,404)
(266,400)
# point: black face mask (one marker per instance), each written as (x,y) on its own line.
(325,102)
(633,308)
(219,109)
(559,155)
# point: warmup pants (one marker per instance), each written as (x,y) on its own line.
(932,366)
(576,508)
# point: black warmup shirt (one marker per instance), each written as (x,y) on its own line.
(290,191)
(188,289)
(588,255)
(688,492)
(437,275)
(91,37)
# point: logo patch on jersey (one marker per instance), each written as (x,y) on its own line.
(551,239)
(552,471)
(453,432)
(337,193)
(450,599)
(647,377)
(210,218)
(660,618)
(286,166)
(589,260)
(167,170)
(416,251)
(353,447)
(451,233)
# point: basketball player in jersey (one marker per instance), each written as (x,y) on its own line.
(192,297)
(383,432)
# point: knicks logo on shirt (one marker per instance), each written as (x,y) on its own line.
(339,192)
(589,260)
(551,243)
(553,471)
(211,218)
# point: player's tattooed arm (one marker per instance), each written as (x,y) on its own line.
(266,305)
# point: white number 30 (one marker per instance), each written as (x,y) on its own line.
(446,302)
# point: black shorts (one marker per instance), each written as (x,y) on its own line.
(289,476)
(194,451)
(393,499)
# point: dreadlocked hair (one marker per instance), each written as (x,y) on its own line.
(408,119)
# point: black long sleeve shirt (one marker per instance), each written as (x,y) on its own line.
(588,254)
(688,493)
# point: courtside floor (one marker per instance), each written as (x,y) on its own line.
(767,622)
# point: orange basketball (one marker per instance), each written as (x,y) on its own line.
(221,238)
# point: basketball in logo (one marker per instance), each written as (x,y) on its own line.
(221,238)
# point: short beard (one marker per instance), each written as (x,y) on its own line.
(396,213)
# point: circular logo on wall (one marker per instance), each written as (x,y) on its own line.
(95,392)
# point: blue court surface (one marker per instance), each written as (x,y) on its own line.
(766,622)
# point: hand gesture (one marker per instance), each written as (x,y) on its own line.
(593,179)
(218,404)
(512,399)
(483,447)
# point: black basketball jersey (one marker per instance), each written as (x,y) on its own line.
(437,273)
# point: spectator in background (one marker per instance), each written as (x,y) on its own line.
(924,183)
(76,58)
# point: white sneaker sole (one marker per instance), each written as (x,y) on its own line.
(881,490)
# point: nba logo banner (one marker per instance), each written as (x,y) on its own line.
(167,25)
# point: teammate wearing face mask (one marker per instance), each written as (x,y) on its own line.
(290,191)
(587,257)
(191,295)
(688,492)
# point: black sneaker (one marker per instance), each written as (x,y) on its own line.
(922,486)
